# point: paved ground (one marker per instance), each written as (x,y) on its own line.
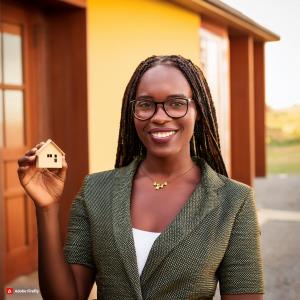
(278,202)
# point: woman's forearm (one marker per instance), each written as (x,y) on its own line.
(55,275)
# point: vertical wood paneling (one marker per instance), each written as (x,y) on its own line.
(259,90)
(10,175)
(242,108)
(15,223)
(2,230)
(68,96)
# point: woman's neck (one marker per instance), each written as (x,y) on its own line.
(167,166)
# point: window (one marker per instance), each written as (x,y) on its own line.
(12,128)
(214,62)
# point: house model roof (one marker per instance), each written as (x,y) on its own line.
(49,141)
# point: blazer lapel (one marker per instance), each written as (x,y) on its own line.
(122,226)
(203,200)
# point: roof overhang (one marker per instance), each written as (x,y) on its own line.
(236,22)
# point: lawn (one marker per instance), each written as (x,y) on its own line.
(283,159)
(283,140)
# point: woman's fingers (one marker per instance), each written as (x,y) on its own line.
(39,145)
(22,173)
(22,170)
(31,151)
(26,160)
(34,149)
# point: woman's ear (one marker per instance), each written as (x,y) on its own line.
(197,116)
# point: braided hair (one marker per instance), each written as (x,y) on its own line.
(205,142)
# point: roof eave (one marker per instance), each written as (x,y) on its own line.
(233,19)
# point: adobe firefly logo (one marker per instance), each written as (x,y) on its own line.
(9,291)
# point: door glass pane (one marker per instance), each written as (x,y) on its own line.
(1,118)
(12,58)
(14,118)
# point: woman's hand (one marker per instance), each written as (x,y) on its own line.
(44,186)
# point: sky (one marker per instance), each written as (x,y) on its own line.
(283,57)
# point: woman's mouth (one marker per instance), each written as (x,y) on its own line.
(162,136)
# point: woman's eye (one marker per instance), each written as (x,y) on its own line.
(144,104)
(177,103)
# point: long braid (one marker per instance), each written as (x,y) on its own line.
(206,142)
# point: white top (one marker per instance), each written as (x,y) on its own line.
(143,241)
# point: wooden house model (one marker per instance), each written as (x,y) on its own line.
(49,156)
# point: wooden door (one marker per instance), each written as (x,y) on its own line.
(16,137)
(43,89)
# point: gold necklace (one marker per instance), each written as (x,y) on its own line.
(160,185)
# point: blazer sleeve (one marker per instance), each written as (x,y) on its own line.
(241,270)
(78,246)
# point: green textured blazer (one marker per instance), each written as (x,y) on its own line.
(215,237)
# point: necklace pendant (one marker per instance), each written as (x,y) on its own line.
(158,185)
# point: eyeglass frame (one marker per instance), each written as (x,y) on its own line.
(188,100)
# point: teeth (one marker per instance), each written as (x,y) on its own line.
(163,134)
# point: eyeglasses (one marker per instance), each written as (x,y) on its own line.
(175,107)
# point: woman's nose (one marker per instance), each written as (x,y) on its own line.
(160,114)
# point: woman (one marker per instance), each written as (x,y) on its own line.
(167,222)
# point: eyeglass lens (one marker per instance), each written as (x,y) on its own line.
(175,108)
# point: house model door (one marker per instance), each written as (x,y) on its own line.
(16,130)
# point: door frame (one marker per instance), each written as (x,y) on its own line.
(18,15)
(58,34)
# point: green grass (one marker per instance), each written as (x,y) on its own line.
(283,140)
(283,158)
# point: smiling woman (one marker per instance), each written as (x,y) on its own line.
(167,222)
(167,131)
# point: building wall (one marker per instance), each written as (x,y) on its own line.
(120,35)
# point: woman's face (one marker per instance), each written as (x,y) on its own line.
(162,135)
